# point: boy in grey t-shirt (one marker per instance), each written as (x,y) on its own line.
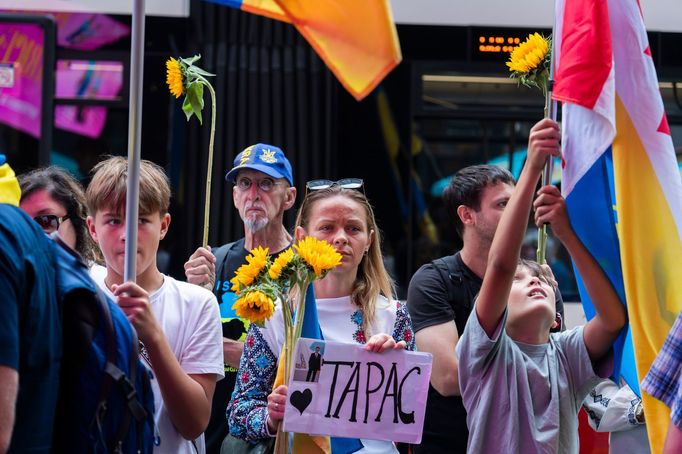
(522,388)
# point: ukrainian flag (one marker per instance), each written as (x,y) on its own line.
(356,39)
(620,176)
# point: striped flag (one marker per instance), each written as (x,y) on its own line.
(356,39)
(620,176)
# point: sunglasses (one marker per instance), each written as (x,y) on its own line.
(50,222)
(346,183)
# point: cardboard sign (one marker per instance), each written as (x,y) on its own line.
(341,390)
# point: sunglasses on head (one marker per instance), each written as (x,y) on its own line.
(50,222)
(346,183)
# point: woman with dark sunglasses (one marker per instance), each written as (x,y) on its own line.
(56,201)
(355,304)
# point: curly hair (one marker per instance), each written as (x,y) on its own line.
(64,189)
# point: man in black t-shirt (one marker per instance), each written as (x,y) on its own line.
(441,296)
(263,191)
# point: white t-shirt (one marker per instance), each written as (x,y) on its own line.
(189,317)
(340,321)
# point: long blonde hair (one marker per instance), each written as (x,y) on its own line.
(372,279)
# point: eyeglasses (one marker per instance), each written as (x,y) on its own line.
(50,222)
(346,183)
(265,185)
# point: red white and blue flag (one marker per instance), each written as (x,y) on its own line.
(620,175)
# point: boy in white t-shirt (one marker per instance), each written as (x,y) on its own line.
(177,323)
(522,387)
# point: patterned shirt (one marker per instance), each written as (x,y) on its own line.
(663,379)
(247,411)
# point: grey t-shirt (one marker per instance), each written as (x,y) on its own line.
(523,398)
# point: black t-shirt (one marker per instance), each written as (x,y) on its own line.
(233,328)
(440,291)
(429,304)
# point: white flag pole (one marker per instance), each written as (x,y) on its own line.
(134,138)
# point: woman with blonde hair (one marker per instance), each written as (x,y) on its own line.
(355,304)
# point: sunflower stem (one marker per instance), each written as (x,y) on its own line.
(546,179)
(282,441)
(209,166)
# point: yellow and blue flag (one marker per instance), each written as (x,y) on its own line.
(306,443)
(356,39)
(620,176)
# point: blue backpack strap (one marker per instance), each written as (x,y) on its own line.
(73,276)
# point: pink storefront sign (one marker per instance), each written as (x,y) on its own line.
(80,79)
(21,57)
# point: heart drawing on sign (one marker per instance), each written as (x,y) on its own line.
(301,399)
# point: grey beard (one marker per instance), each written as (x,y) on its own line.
(254,225)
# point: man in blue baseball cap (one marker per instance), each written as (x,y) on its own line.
(263,190)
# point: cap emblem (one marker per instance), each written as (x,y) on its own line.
(268,156)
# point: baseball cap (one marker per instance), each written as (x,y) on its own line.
(10,192)
(265,158)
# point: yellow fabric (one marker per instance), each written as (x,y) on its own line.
(356,39)
(10,193)
(392,141)
(268,8)
(650,252)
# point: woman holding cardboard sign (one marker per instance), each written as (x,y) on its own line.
(354,304)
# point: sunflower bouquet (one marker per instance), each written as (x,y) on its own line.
(531,65)
(261,281)
(184,78)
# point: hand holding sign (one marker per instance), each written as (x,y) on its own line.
(358,393)
(276,404)
(381,342)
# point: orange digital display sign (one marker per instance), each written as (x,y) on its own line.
(497,43)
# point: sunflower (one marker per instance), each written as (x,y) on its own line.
(280,263)
(529,62)
(174,77)
(255,306)
(256,261)
(528,55)
(318,254)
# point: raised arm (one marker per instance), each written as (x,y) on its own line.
(506,247)
(600,332)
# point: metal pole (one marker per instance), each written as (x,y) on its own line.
(134,138)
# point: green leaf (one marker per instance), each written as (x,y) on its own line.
(187,108)
(194,101)
(190,60)
(196,70)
